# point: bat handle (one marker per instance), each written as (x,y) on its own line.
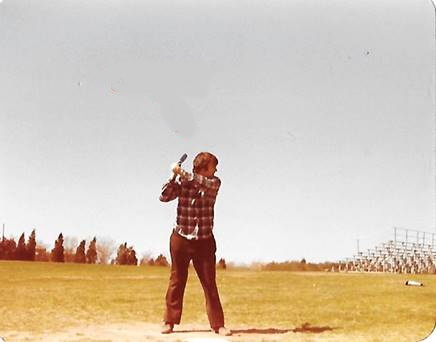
(175,174)
(182,159)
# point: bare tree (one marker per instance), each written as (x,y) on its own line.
(146,259)
(70,245)
(41,252)
(105,249)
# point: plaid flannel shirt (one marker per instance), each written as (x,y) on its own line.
(195,210)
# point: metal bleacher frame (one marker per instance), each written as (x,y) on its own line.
(410,251)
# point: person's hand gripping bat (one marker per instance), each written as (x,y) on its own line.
(177,167)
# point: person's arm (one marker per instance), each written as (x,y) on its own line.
(170,191)
(212,183)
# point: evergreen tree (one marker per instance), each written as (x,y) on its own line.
(222,264)
(131,256)
(161,260)
(91,254)
(57,253)
(20,252)
(121,258)
(80,256)
(126,255)
(7,249)
(31,247)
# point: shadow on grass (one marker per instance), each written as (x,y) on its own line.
(192,331)
(305,328)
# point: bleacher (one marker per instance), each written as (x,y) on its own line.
(409,252)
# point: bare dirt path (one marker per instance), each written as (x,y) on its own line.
(151,333)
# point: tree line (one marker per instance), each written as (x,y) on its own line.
(31,251)
(298,266)
(126,255)
(10,250)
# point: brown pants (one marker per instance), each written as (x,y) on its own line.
(202,253)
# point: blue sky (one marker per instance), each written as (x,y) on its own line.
(321,114)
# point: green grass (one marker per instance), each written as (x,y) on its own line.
(48,296)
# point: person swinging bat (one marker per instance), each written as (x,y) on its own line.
(192,238)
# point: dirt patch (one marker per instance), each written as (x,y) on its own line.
(151,333)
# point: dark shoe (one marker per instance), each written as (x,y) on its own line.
(222,331)
(167,328)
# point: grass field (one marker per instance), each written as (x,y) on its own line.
(38,297)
